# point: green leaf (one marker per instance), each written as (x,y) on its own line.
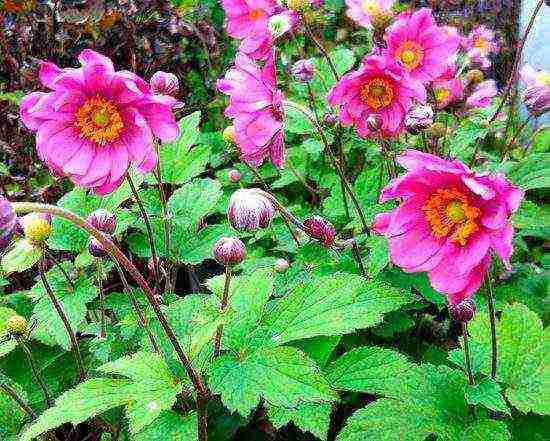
(379,256)
(370,369)
(487,393)
(170,426)
(21,256)
(465,136)
(319,349)
(331,305)
(532,220)
(313,418)
(6,346)
(523,356)
(282,376)
(11,415)
(532,172)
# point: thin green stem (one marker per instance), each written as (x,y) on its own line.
(118,255)
(515,137)
(12,393)
(223,307)
(492,319)
(103,315)
(151,237)
(35,372)
(467,361)
(64,319)
(59,267)
(323,51)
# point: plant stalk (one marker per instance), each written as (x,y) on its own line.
(492,318)
(467,361)
(35,373)
(202,418)
(223,307)
(64,319)
(12,393)
(59,266)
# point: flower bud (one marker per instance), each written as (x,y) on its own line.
(201,223)
(374,122)
(537,99)
(96,248)
(281,265)
(8,222)
(303,70)
(17,325)
(228,134)
(229,251)
(234,176)
(463,311)
(103,220)
(164,83)
(36,227)
(419,118)
(437,130)
(249,210)
(280,24)
(474,76)
(321,229)
(329,119)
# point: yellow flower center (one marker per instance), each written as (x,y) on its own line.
(377,93)
(543,78)
(481,43)
(411,54)
(441,94)
(99,120)
(448,211)
(371,7)
(256,14)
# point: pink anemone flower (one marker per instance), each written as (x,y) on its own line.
(421,46)
(363,12)
(447,88)
(482,40)
(536,95)
(482,95)
(256,107)
(95,121)
(448,222)
(379,87)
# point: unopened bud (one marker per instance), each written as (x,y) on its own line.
(103,220)
(36,227)
(303,70)
(17,325)
(329,119)
(8,222)
(474,76)
(319,228)
(164,83)
(249,210)
(280,24)
(463,311)
(281,265)
(95,248)
(341,35)
(419,118)
(437,130)
(234,176)
(228,134)
(229,251)
(374,122)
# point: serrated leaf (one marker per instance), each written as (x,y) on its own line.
(331,305)
(11,415)
(487,393)
(170,426)
(532,220)
(21,256)
(282,376)
(532,172)
(313,418)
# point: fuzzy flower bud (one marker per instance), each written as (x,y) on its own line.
(321,229)
(281,265)
(474,76)
(437,130)
(249,210)
(103,220)
(374,122)
(228,134)
(303,70)
(463,311)
(234,176)
(329,119)
(280,24)
(229,251)
(17,325)
(8,222)
(164,83)
(95,248)
(36,227)
(419,118)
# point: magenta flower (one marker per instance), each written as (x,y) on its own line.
(447,88)
(164,83)
(449,221)
(379,87)
(421,46)
(482,95)
(256,106)
(363,12)
(480,43)
(95,121)
(536,95)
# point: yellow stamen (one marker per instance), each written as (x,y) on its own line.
(371,7)
(377,93)
(99,120)
(441,94)
(411,54)
(256,14)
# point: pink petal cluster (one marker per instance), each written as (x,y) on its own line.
(448,222)
(379,87)
(94,122)
(421,46)
(363,12)
(479,44)
(256,107)
(536,95)
(447,88)
(482,95)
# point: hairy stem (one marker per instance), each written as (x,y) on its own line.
(103,315)
(12,393)
(514,138)
(202,418)
(223,307)
(323,51)
(59,267)
(35,372)
(145,217)
(492,318)
(118,255)
(64,319)
(467,361)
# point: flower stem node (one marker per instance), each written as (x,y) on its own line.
(249,210)
(320,229)
(103,220)
(36,227)
(17,326)
(229,251)
(463,311)
(281,265)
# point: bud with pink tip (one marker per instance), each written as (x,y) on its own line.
(164,83)
(463,311)
(303,70)
(95,248)
(281,265)
(321,229)
(229,251)
(249,210)
(103,220)
(419,118)
(329,119)
(374,122)
(234,176)
(8,222)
